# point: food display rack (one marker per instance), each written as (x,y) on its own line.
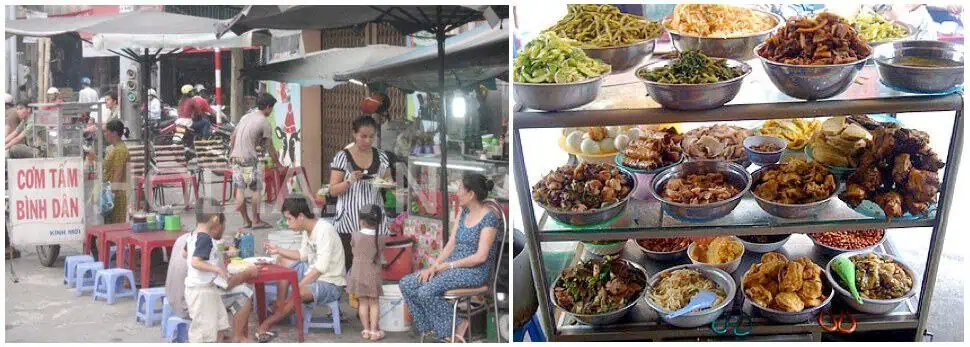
(624,102)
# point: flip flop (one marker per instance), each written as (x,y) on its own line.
(265,336)
(262,225)
(378,335)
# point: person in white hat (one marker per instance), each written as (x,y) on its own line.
(53,97)
(154,105)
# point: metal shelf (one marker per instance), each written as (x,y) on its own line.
(642,323)
(624,102)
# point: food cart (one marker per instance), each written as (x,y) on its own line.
(59,133)
(554,245)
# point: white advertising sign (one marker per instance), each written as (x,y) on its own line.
(46,201)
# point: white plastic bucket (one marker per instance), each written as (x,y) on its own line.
(394,312)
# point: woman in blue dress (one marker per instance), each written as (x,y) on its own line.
(465,262)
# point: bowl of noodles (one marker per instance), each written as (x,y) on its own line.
(721,31)
(672,289)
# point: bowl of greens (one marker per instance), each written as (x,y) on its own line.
(619,39)
(876,29)
(552,73)
(693,81)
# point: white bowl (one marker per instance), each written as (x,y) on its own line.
(604,250)
(728,267)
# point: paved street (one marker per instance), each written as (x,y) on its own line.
(41,309)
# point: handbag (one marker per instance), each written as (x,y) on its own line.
(107,199)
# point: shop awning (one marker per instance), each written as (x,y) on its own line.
(407,19)
(479,54)
(177,41)
(132,23)
(319,68)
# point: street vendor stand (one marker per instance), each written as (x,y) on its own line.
(551,248)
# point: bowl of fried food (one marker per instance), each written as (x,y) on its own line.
(882,281)
(672,289)
(619,39)
(652,151)
(814,58)
(693,81)
(722,31)
(552,73)
(696,191)
(898,173)
(833,243)
(786,291)
(664,249)
(599,291)
(584,194)
(722,252)
(796,189)
(764,243)
(798,132)
(605,247)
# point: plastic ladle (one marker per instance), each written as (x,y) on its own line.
(703,299)
(845,268)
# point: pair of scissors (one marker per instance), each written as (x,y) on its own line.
(837,322)
(740,321)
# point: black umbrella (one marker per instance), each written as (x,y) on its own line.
(436,19)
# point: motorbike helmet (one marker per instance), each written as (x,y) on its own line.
(187,89)
(152,92)
(52,90)
(85,81)
(199,88)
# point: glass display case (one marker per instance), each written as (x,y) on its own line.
(424,197)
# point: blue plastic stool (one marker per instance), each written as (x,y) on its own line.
(108,285)
(177,330)
(85,275)
(167,312)
(532,329)
(70,266)
(148,305)
(334,315)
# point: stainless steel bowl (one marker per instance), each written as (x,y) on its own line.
(723,280)
(557,96)
(607,317)
(811,82)
(662,256)
(833,251)
(788,317)
(623,57)
(763,247)
(734,174)
(604,250)
(739,48)
(920,79)
(593,216)
(872,306)
(694,96)
(788,210)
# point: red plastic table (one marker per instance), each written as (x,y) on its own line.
(148,241)
(97,232)
(166,179)
(271,273)
(116,237)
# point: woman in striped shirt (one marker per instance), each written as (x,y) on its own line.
(351,171)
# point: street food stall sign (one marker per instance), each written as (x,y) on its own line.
(46,201)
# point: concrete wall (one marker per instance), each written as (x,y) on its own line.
(312,127)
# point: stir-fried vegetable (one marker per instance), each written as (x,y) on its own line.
(600,26)
(692,67)
(872,27)
(552,59)
(598,286)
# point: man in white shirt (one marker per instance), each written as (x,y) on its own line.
(320,266)
(154,105)
(209,289)
(87,94)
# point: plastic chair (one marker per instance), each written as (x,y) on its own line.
(148,305)
(108,285)
(334,318)
(85,274)
(167,312)
(177,330)
(70,266)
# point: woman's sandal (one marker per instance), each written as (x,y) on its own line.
(265,337)
(365,334)
(377,335)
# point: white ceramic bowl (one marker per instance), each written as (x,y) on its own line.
(728,267)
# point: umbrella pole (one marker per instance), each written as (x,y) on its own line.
(146,71)
(442,135)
